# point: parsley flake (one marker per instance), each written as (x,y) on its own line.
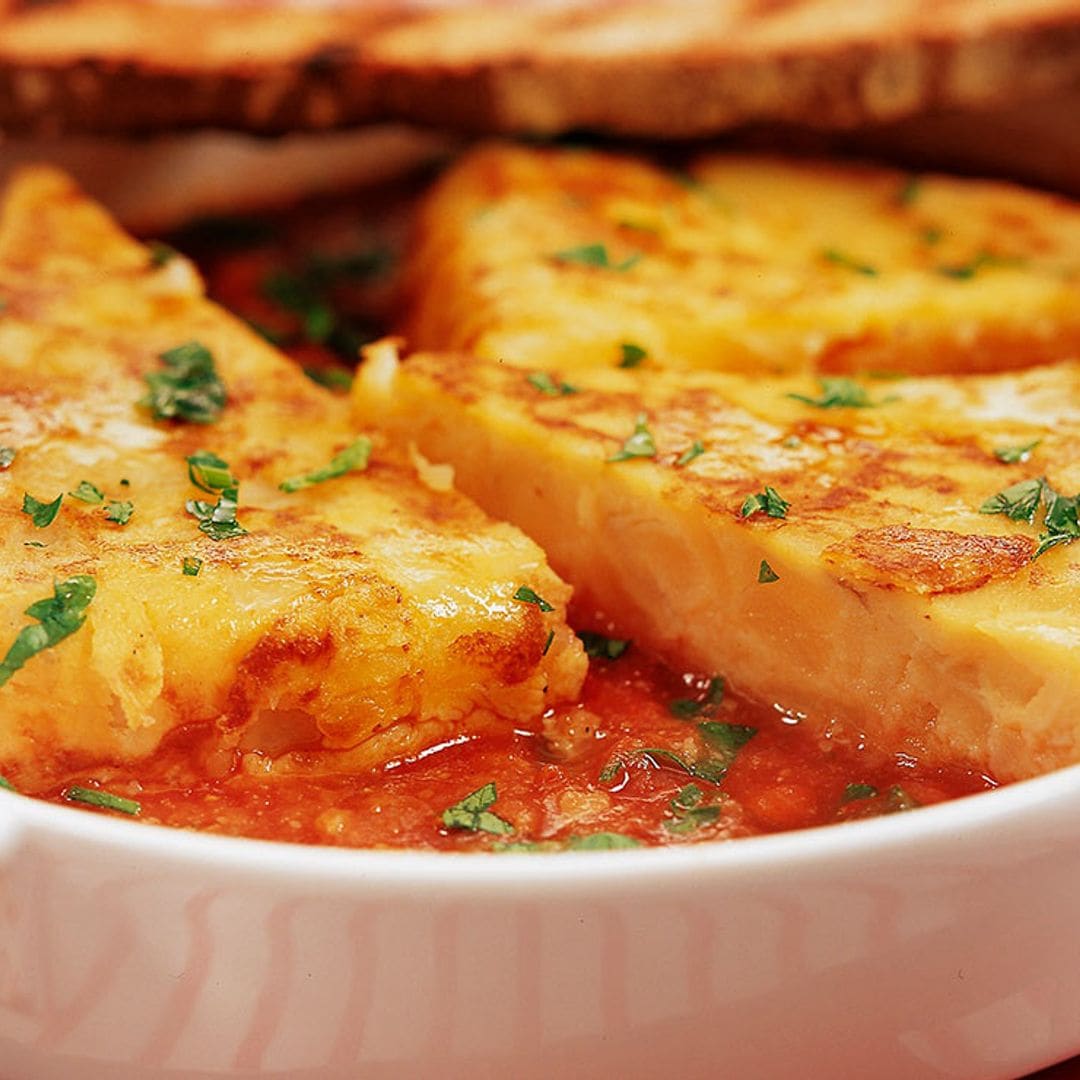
(333,378)
(768,502)
(602,647)
(695,449)
(209,473)
(910,191)
(354,458)
(188,388)
(119,511)
(547,643)
(6,784)
(218,521)
(104,800)
(191,566)
(983,260)
(689,811)
(842,259)
(7,456)
(542,381)
(40,513)
(858,791)
(527,596)
(88,493)
(58,616)
(160,254)
(1019,501)
(594,255)
(726,740)
(1015,455)
(632,354)
(474,814)
(601,841)
(639,445)
(766,574)
(838,392)
(685,708)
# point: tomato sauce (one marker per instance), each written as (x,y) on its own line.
(610,771)
(648,756)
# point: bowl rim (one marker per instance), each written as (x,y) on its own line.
(952,823)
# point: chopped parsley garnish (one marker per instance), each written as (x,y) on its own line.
(542,381)
(728,738)
(333,378)
(354,458)
(639,445)
(966,271)
(1021,502)
(766,575)
(695,449)
(932,235)
(689,812)
(601,841)
(602,647)
(7,456)
(474,814)
(161,254)
(217,521)
(210,473)
(6,784)
(840,258)
(547,643)
(33,544)
(594,255)
(297,295)
(768,502)
(910,191)
(858,791)
(58,616)
(632,354)
(685,708)
(105,800)
(88,493)
(1015,455)
(838,392)
(527,596)
(40,513)
(191,566)
(1062,521)
(188,388)
(119,511)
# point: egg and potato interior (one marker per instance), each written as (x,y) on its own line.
(670,385)
(656,380)
(360,616)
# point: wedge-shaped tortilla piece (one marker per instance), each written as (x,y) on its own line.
(833,560)
(360,617)
(641,67)
(542,257)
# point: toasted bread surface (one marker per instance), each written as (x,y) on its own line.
(626,66)
(879,601)
(542,257)
(356,620)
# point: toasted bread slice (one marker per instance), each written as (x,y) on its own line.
(879,601)
(350,622)
(626,66)
(541,257)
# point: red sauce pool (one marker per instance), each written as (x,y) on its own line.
(598,774)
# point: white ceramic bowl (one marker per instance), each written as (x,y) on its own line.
(944,942)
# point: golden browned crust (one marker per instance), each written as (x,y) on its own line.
(628,66)
(927,560)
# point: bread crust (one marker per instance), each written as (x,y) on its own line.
(626,67)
